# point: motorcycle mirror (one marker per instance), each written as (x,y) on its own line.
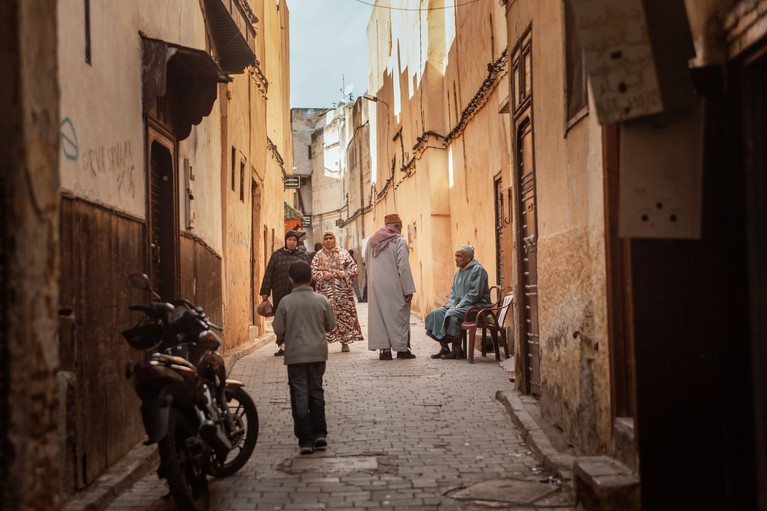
(139,281)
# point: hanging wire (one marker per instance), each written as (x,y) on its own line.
(390,8)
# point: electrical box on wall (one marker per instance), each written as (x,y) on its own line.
(661,185)
(190,215)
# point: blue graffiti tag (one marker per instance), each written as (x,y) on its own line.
(69,139)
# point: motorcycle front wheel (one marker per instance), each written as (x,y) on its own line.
(243,434)
(180,455)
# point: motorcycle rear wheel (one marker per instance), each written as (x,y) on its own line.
(187,480)
(244,437)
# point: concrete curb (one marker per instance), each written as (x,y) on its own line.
(141,459)
(231,358)
(117,479)
(537,439)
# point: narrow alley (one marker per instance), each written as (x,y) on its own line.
(402,434)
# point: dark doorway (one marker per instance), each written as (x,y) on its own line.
(619,304)
(5,452)
(163,228)
(255,281)
(755,154)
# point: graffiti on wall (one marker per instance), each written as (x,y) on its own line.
(114,161)
(69,139)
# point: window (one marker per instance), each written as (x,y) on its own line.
(234,166)
(576,88)
(242,181)
(522,73)
(309,151)
(87,9)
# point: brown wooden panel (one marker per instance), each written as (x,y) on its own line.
(124,425)
(90,246)
(186,269)
(201,277)
(66,292)
(103,248)
(209,293)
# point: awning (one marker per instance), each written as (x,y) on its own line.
(291,212)
(187,76)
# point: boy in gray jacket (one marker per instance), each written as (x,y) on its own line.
(303,318)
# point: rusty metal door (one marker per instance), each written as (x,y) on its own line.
(163,222)
(529,273)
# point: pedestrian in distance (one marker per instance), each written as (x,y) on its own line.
(275,281)
(355,282)
(317,248)
(302,319)
(333,271)
(390,290)
(470,289)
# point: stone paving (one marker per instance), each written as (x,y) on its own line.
(403,434)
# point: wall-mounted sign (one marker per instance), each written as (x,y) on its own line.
(292,181)
(619,58)
(307,221)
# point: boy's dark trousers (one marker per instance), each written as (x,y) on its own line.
(307,401)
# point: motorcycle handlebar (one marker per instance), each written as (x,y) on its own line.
(155,309)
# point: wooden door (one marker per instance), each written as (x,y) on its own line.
(528,227)
(162,225)
(498,232)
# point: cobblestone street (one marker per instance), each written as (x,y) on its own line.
(417,434)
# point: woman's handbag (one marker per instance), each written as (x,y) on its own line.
(265,309)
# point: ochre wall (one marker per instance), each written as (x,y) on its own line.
(575,386)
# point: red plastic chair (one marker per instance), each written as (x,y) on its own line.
(492,319)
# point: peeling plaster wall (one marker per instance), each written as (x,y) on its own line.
(102,150)
(29,198)
(571,265)
(257,147)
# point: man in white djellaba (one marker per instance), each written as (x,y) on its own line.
(390,290)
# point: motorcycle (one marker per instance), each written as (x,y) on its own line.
(204,424)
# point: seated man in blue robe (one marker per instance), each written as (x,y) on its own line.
(470,289)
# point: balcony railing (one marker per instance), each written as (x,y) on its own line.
(232,26)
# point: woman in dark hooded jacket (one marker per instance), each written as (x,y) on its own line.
(276,275)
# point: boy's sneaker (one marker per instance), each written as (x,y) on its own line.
(320,443)
(385,355)
(405,354)
(307,449)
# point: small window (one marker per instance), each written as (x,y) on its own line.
(234,166)
(522,73)
(87,9)
(242,181)
(576,88)
(309,151)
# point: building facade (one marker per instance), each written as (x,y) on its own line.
(642,322)
(172,144)
(439,144)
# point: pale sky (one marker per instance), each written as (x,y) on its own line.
(328,48)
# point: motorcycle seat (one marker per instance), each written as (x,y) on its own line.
(172,359)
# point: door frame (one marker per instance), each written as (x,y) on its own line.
(156,133)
